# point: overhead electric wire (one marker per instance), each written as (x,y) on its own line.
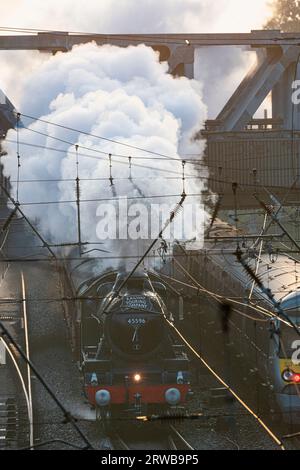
(18,156)
(69,418)
(129,198)
(293,132)
(199,357)
(168,222)
(192,161)
(141,157)
(286,318)
(218,377)
(221,299)
(106,139)
(267,292)
(101,152)
(242,185)
(94,258)
(162,170)
(17,206)
(21,378)
(228,388)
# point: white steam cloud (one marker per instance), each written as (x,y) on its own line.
(122,94)
(132,16)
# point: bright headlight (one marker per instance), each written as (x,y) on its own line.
(173,396)
(291,377)
(287,375)
(102,397)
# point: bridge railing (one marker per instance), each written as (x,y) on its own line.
(257,160)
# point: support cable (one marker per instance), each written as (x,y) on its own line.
(78,202)
(141,260)
(228,388)
(111,180)
(68,416)
(258,261)
(277,221)
(17,206)
(130,168)
(279,310)
(18,154)
(183,178)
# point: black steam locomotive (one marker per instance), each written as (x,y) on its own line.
(129,358)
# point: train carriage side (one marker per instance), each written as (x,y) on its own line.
(265,342)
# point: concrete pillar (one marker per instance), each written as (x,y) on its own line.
(189,70)
(181,60)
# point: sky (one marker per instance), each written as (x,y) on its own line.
(136,16)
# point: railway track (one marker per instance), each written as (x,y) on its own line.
(16,410)
(164,437)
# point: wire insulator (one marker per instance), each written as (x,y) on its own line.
(221,182)
(183,178)
(110,170)
(77,160)
(18,154)
(77,190)
(130,167)
(234,189)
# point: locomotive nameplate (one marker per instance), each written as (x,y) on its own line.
(137,302)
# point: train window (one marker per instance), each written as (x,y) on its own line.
(135,284)
(104,289)
(159,287)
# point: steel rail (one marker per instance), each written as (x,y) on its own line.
(24,308)
(20,375)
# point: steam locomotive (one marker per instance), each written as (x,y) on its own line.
(268,343)
(130,361)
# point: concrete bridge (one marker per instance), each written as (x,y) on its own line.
(257,154)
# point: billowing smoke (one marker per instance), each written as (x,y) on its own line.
(121,94)
(221,69)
